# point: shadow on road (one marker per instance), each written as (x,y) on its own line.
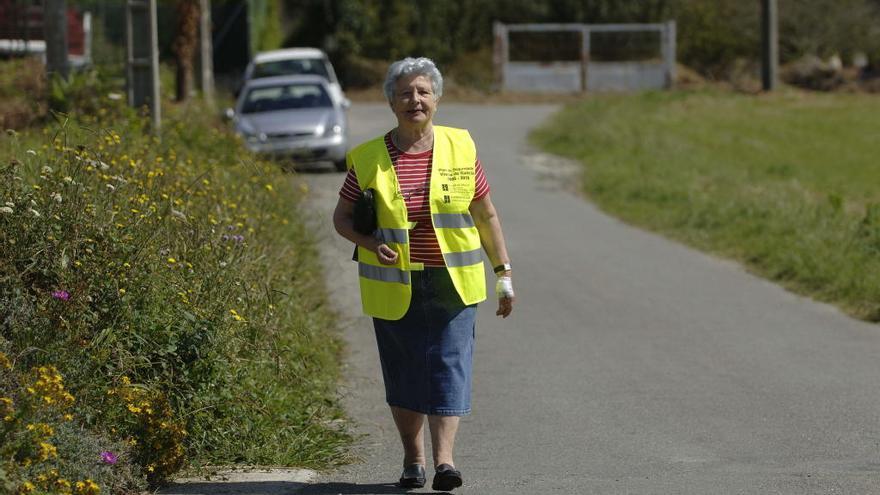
(233,488)
(358,489)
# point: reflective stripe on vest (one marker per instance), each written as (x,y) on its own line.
(399,236)
(452,220)
(385,289)
(383,273)
(463,258)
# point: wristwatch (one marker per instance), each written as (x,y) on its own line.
(501,268)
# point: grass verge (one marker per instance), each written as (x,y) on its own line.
(161,306)
(785,183)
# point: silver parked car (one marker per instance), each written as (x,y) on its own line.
(292,117)
(296,61)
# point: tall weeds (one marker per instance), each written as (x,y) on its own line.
(170,285)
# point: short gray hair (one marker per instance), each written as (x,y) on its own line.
(421,66)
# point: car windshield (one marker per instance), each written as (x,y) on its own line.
(291,68)
(285,97)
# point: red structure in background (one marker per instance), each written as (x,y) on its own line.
(21,29)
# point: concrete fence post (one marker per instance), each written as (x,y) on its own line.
(206,53)
(499,53)
(670,48)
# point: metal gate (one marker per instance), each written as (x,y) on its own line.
(585,73)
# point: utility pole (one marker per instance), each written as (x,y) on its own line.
(55,34)
(142,54)
(770,44)
(207,53)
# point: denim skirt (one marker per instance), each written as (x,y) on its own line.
(427,355)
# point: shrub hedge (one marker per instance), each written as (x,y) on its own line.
(160,307)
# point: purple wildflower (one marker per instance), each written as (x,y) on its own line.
(225,237)
(108,457)
(61,294)
(238,238)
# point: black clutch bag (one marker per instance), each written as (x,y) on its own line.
(364,216)
(365,212)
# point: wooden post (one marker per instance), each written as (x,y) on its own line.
(55,32)
(142,54)
(770,44)
(206,54)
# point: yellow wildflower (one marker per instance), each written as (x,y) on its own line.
(172,260)
(47,451)
(4,361)
(87,487)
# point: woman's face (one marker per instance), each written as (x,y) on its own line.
(413,102)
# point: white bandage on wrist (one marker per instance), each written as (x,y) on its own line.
(504,287)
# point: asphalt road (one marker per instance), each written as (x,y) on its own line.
(631,364)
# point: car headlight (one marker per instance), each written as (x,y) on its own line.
(333,130)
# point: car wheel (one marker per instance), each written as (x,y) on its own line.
(340,165)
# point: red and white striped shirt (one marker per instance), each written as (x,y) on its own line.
(414,175)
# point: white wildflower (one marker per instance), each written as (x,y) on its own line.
(110,187)
(68,180)
(46,170)
(222,264)
(56,196)
(5,210)
(10,204)
(35,213)
(31,152)
(103,165)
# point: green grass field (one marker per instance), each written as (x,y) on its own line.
(786,183)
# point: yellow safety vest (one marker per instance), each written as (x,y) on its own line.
(386,289)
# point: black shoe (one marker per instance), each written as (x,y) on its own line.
(413,476)
(446,478)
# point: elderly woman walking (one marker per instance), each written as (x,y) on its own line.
(421,273)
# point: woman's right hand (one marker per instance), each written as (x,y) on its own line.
(386,255)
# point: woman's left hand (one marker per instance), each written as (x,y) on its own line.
(505,306)
(506,297)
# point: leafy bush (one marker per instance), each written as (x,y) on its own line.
(22,93)
(172,285)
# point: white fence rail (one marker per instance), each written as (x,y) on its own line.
(585,74)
